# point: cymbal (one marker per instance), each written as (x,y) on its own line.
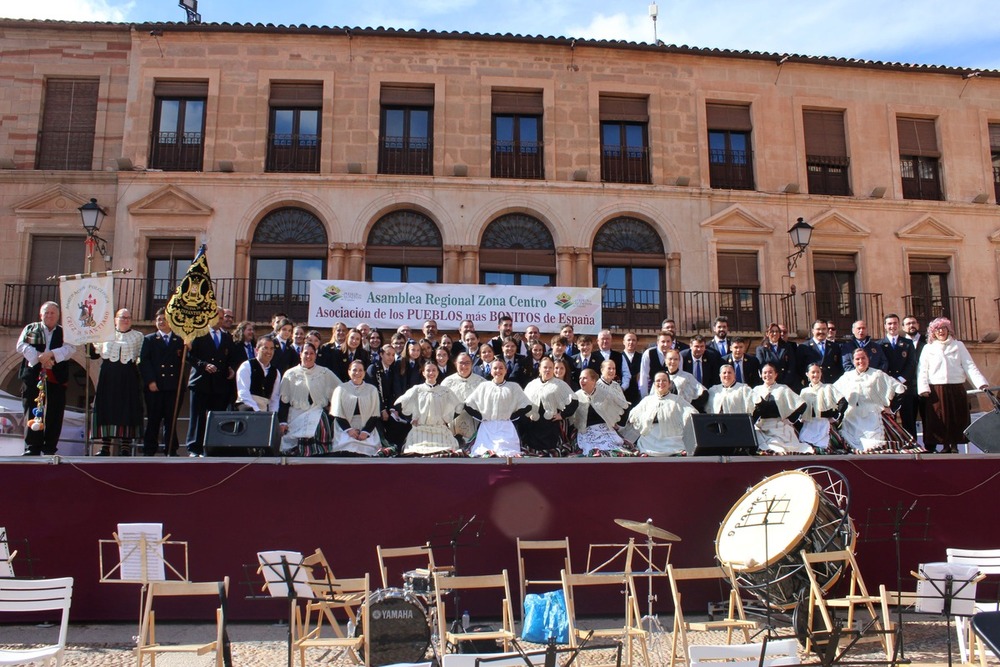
(648,529)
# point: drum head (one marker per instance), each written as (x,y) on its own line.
(399,631)
(768,521)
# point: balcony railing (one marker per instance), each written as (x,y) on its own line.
(844,310)
(405,155)
(625,164)
(961,310)
(518,159)
(176,151)
(730,169)
(694,310)
(287,153)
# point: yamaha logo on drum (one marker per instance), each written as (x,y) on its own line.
(391,614)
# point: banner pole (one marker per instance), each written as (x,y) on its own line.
(177,401)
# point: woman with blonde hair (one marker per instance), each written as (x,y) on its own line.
(945,364)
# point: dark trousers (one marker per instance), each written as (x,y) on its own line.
(47,440)
(160,411)
(201,405)
(908,411)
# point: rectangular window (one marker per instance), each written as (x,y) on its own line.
(517,135)
(995,155)
(730,154)
(177,142)
(168,260)
(631,295)
(826,152)
(929,288)
(739,290)
(294,137)
(918,158)
(406,130)
(69,116)
(50,256)
(624,139)
(282,285)
(834,276)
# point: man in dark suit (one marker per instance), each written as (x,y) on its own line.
(160,367)
(702,362)
(819,350)
(284,346)
(781,353)
(213,359)
(586,357)
(604,343)
(505,331)
(458,345)
(860,340)
(901,358)
(911,329)
(747,368)
(45,355)
(518,367)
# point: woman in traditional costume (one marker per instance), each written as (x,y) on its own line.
(462,383)
(118,401)
(552,402)
(824,409)
(306,391)
(430,408)
(776,407)
(355,409)
(597,418)
(496,404)
(729,397)
(663,421)
(869,393)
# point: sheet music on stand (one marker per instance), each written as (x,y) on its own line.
(141,555)
(947,588)
(284,574)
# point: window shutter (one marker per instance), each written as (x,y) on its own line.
(296,95)
(68,122)
(729,117)
(407,96)
(917,137)
(824,133)
(995,137)
(171,249)
(738,269)
(929,265)
(624,108)
(180,89)
(404,256)
(54,256)
(524,102)
(518,260)
(834,262)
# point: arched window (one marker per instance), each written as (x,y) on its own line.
(404,247)
(517,249)
(629,262)
(288,250)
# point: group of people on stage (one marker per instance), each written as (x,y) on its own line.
(361,393)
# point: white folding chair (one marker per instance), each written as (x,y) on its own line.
(988,562)
(18,596)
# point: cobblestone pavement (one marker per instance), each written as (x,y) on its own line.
(264,645)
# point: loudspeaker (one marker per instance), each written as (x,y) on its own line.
(723,435)
(985,432)
(242,434)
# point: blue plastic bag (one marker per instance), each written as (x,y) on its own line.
(544,617)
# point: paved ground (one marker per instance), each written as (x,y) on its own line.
(263,645)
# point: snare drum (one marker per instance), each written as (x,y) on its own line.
(399,631)
(764,533)
(421,582)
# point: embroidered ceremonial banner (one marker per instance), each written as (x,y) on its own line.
(192,308)
(88,308)
(388,305)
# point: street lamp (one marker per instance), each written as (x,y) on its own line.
(801,234)
(92,215)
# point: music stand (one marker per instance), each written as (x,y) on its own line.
(285,578)
(449,534)
(948,589)
(877,522)
(140,558)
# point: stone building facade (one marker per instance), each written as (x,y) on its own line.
(669,176)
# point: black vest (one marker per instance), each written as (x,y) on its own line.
(29,374)
(260,384)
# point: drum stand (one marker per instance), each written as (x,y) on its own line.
(447,535)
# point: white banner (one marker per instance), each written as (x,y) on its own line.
(88,309)
(389,305)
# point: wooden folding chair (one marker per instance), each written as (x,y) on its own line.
(891,601)
(857,593)
(18,596)
(331,593)
(444,583)
(539,545)
(776,652)
(628,633)
(148,644)
(346,594)
(735,619)
(988,562)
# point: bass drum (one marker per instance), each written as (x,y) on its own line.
(399,631)
(764,533)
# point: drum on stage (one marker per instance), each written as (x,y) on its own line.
(420,582)
(764,533)
(399,631)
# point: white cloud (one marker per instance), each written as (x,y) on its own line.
(69,10)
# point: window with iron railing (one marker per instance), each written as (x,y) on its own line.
(730,160)
(517,147)
(624,152)
(828,175)
(177,142)
(294,142)
(405,146)
(920,177)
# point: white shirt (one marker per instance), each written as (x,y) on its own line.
(243,394)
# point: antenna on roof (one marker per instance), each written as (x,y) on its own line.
(191,7)
(654,11)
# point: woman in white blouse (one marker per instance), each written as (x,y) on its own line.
(431,409)
(118,402)
(355,409)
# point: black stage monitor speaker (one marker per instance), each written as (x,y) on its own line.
(242,434)
(723,435)
(985,432)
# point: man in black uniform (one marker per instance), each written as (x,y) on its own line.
(160,367)
(212,381)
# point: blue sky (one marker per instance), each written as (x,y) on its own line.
(960,33)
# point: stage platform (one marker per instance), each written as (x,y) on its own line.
(228,509)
